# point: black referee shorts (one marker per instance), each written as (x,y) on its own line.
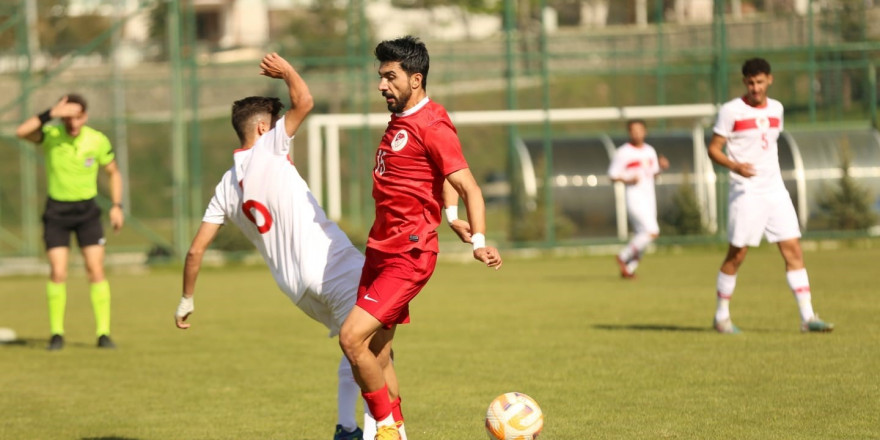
(62,218)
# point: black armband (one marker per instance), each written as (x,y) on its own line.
(45,116)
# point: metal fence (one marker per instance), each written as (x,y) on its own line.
(167,113)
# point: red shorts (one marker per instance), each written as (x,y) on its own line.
(390,281)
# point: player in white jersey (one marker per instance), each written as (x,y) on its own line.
(758,202)
(311,259)
(635,164)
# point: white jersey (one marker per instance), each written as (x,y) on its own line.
(751,134)
(636,162)
(264,195)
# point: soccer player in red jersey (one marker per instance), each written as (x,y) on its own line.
(419,168)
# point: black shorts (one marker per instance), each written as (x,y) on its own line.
(62,218)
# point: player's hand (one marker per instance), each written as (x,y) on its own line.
(744,169)
(117,217)
(64,109)
(489,255)
(184,309)
(663,162)
(274,66)
(462,229)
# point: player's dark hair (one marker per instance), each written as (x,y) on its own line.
(409,52)
(244,111)
(630,122)
(76,98)
(755,66)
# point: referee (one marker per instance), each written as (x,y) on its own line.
(73,152)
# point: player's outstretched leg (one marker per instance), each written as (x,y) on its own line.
(346,400)
(799,283)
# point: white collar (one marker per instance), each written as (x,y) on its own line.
(416,108)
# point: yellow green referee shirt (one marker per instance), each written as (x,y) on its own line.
(72,163)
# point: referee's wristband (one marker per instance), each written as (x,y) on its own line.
(479,240)
(117,204)
(451,214)
(45,116)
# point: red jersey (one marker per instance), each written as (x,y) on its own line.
(419,149)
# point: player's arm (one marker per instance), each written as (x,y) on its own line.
(117,217)
(301,101)
(450,209)
(32,128)
(716,153)
(204,237)
(662,164)
(628,181)
(616,171)
(464,184)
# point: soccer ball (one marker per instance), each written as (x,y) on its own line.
(514,416)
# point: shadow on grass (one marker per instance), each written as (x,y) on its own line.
(652,328)
(41,343)
(108,437)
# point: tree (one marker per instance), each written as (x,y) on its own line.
(847,207)
(684,216)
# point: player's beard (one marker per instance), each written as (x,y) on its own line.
(398,103)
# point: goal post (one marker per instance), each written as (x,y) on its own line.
(324,144)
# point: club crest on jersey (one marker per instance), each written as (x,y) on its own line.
(399,140)
(762,122)
(89,162)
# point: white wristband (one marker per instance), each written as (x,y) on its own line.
(451,214)
(479,240)
(185,307)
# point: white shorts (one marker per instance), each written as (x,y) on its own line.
(643,218)
(751,215)
(331,302)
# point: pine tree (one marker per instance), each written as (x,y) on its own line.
(848,206)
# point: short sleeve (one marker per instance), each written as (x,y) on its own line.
(724,122)
(781,117)
(105,150)
(214,212)
(442,144)
(655,161)
(615,169)
(280,141)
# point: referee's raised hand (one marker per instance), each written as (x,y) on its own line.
(64,109)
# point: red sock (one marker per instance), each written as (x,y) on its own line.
(378,402)
(395,410)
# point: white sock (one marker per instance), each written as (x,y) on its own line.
(347,394)
(632,266)
(369,423)
(724,287)
(402,432)
(386,421)
(800,287)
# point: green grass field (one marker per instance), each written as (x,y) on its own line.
(605,358)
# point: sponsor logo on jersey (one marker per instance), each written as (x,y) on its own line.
(399,140)
(414,238)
